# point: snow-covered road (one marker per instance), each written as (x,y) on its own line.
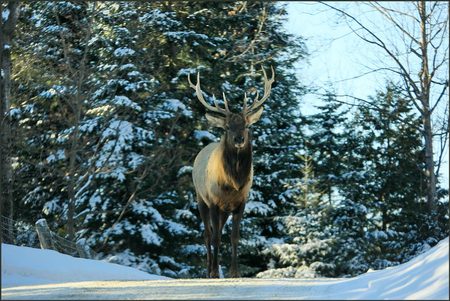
(197,289)
(44,274)
(358,288)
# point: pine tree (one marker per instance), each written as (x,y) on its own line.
(139,126)
(306,251)
(245,35)
(389,181)
(325,142)
(49,107)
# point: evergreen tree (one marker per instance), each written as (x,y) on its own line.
(379,217)
(138,125)
(49,108)
(306,251)
(386,176)
(325,141)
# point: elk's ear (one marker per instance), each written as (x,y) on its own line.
(254,117)
(216,121)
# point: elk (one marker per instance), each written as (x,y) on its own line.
(223,172)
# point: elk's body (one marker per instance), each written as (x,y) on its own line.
(223,174)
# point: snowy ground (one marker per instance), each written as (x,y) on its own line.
(42,274)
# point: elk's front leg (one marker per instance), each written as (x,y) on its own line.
(204,214)
(237,216)
(215,213)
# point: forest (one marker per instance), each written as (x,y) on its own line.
(100,129)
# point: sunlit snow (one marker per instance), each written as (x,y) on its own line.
(44,274)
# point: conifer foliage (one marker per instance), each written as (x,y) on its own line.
(110,127)
(376,173)
(107,129)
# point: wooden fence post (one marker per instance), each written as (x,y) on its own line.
(44,234)
(81,248)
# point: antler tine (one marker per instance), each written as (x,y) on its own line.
(225,102)
(199,93)
(267,88)
(244,108)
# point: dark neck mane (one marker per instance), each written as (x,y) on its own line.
(237,164)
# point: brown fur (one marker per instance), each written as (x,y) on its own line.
(223,173)
(223,176)
(238,163)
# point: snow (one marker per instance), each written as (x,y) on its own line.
(29,273)
(94,200)
(176,105)
(201,134)
(185,34)
(87,126)
(256,207)
(123,52)
(59,155)
(149,236)
(30,266)
(5,14)
(51,206)
(145,208)
(122,100)
(55,29)
(127,66)
(48,94)
(184,170)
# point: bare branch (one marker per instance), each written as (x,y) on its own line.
(440,97)
(443,139)
(380,44)
(254,41)
(385,12)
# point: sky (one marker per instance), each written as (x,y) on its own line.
(337,56)
(29,273)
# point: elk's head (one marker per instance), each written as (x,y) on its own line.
(236,125)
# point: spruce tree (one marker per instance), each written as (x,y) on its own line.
(138,125)
(325,141)
(49,107)
(389,181)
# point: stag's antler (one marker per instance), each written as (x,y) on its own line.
(258,102)
(216,108)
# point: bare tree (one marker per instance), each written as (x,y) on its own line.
(414,44)
(8,20)
(77,69)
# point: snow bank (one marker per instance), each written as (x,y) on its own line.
(426,277)
(29,266)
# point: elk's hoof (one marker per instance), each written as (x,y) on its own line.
(235,274)
(214,275)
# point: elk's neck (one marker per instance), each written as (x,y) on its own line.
(237,162)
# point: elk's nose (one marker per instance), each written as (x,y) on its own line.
(239,140)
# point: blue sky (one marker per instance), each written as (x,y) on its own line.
(337,56)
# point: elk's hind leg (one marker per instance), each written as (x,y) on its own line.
(205,216)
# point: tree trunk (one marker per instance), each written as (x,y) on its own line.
(425,82)
(431,177)
(72,177)
(8,20)
(432,30)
